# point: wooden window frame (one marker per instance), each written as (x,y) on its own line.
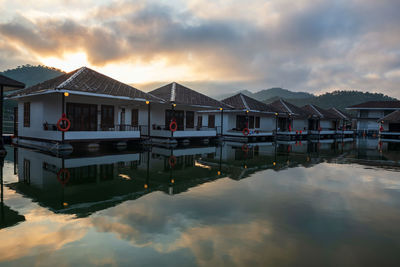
(27,114)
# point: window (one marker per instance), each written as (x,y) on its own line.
(178,115)
(363,113)
(257,122)
(241,122)
(251,122)
(27,114)
(211,121)
(107,117)
(83,117)
(189,119)
(199,121)
(135,117)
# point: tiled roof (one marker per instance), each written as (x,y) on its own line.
(88,81)
(392,117)
(341,114)
(241,101)
(8,82)
(282,106)
(179,94)
(377,104)
(316,111)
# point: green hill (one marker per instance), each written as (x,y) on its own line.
(337,99)
(270,93)
(31,75)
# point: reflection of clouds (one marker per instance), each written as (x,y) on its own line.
(269,218)
(43,237)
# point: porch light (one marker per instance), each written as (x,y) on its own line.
(174,105)
(247,111)
(218,173)
(66,94)
(221,109)
(147,102)
(65,204)
(145,186)
(172,181)
(276,113)
(274,163)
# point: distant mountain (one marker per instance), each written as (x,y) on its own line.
(31,75)
(337,99)
(270,93)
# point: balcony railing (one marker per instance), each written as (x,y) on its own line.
(110,128)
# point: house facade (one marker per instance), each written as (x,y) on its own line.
(369,113)
(321,123)
(292,121)
(180,116)
(80,106)
(389,129)
(246,120)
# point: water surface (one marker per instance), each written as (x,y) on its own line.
(299,204)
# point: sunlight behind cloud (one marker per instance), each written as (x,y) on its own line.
(68,62)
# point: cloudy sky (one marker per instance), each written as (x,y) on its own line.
(214,46)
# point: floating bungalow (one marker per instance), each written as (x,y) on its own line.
(345,126)
(247,119)
(179,118)
(390,127)
(322,124)
(82,106)
(292,121)
(368,113)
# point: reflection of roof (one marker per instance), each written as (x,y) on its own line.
(241,101)
(88,81)
(282,106)
(179,94)
(8,82)
(377,104)
(392,117)
(316,111)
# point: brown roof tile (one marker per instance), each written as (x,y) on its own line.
(392,117)
(241,101)
(89,81)
(179,94)
(282,106)
(8,82)
(377,104)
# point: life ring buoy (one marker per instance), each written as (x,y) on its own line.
(173,126)
(63,176)
(246,131)
(245,148)
(62,119)
(172,161)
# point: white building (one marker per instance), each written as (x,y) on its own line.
(180,118)
(369,113)
(97,107)
(247,119)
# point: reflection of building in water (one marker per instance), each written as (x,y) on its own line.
(8,217)
(87,184)
(83,185)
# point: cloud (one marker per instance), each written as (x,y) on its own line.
(307,45)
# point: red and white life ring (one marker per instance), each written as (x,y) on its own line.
(63,176)
(63,119)
(246,131)
(173,126)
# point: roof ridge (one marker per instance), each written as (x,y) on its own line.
(173,92)
(314,108)
(284,104)
(244,102)
(64,83)
(340,113)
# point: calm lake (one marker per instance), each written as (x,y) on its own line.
(299,204)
